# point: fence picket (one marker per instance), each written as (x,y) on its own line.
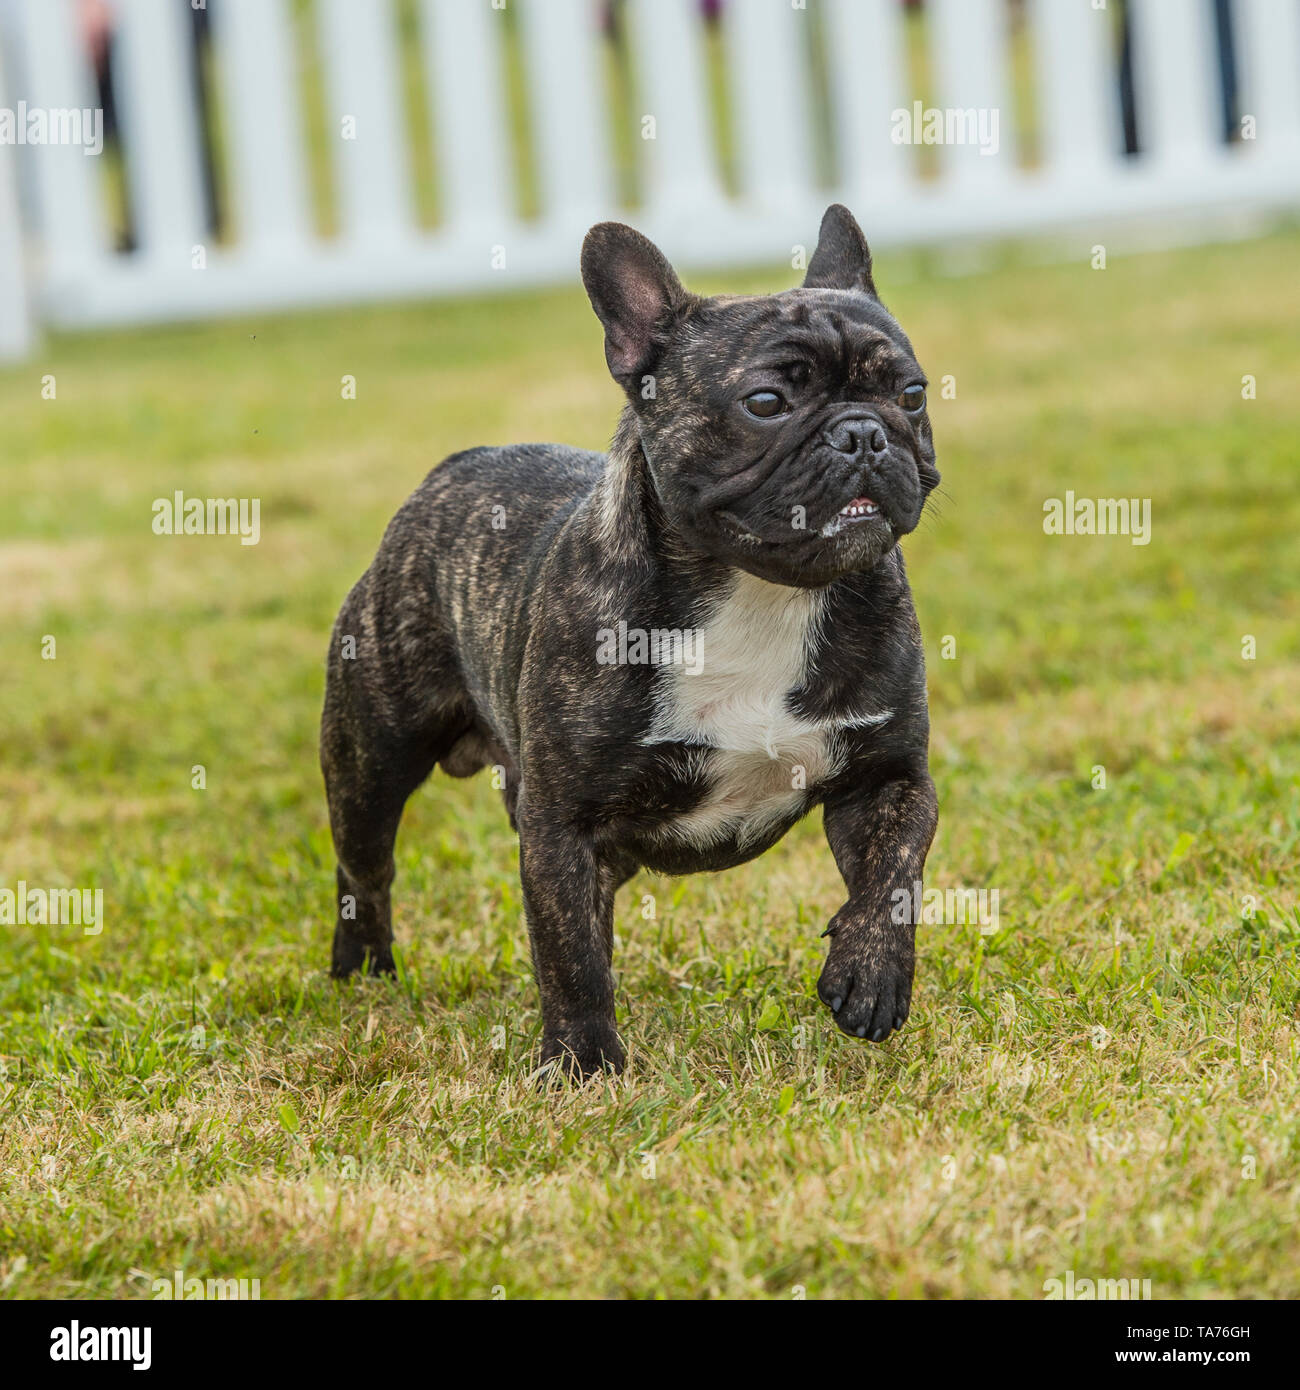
(767,50)
(1269,54)
(473,155)
(1078,85)
(1175,81)
(680,169)
(72,225)
(153,71)
(970,61)
(364,121)
(16,329)
(570,116)
(256,62)
(867,65)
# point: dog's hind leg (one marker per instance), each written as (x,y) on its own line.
(373,757)
(366,798)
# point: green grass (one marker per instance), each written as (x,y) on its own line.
(1089,1088)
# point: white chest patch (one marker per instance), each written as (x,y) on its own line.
(758,756)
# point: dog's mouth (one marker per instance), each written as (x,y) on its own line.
(858,512)
(861,512)
(860,509)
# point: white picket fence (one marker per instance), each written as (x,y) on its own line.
(61,269)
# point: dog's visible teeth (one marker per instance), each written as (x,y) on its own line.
(860,509)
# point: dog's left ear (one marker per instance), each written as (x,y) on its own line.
(842,260)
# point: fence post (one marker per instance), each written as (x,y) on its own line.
(17,331)
(257,61)
(160,125)
(366,134)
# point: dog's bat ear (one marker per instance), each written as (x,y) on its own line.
(636,295)
(842,260)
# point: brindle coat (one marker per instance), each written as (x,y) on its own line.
(475,635)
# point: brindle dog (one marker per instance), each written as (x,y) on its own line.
(672,651)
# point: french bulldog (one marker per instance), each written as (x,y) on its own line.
(671,652)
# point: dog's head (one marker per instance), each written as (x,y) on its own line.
(786,434)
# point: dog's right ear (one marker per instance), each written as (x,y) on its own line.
(636,295)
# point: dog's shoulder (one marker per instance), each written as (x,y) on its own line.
(521,470)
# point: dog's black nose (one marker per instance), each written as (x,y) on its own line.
(857,436)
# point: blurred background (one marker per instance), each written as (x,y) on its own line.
(270,153)
(325,243)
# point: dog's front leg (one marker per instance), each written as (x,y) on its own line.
(569,901)
(879,837)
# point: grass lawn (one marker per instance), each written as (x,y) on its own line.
(1106,1084)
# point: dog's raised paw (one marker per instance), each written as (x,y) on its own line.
(867,1002)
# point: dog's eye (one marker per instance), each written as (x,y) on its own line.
(912,398)
(764,404)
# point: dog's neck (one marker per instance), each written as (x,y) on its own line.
(629,517)
(635,530)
